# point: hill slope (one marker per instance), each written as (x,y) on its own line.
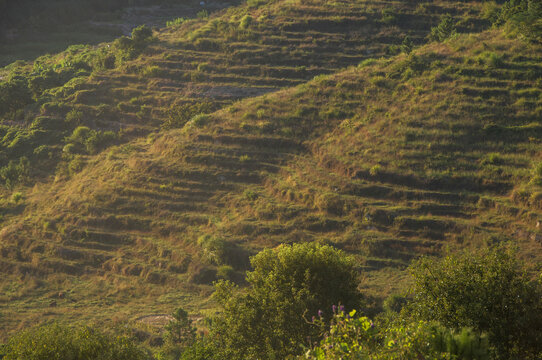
(388,160)
(131,87)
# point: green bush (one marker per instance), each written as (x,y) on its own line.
(177,21)
(199,120)
(524,18)
(287,284)
(14,95)
(42,81)
(203,14)
(225,272)
(444,30)
(178,115)
(357,337)
(86,140)
(487,291)
(218,251)
(129,48)
(536,177)
(179,334)
(245,22)
(395,303)
(15,173)
(55,342)
(490,59)
(214,249)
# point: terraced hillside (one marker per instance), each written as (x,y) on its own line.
(389,160)
(205,63)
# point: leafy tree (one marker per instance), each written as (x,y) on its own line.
(289,282)
(444,30)
(524,18)
(56,342)
(180,329)
(204,349)
(487,291)
(180,334)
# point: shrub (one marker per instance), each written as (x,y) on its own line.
(177,21)
(536,177)
(207,44)
(357,337)
(74,117)
(141,34)
(490,59)
(444,30)
(225,272)
(523,18)
(76,165)
(388,16)
(485,290)
(180,333)
(129,48)
(152,71)
(267,321)
(375,170)
(407,45)
(42,81)
(330,202)
(16,197)
(84,139)
(245,22)
(55,342)
(200,120)
(47,123)
(178,115)
(14,95)
(218,251)
(15,173)
(395,303)
(214,249)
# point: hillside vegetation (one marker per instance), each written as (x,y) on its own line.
(137,173)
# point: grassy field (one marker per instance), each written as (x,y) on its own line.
(316,127)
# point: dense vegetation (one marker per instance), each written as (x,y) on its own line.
(143,175)
(458,314)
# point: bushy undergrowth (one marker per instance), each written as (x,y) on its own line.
(350,336)
(56,342)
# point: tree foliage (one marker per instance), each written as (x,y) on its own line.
(56,342)
(289,282)
(14,95)
(444,30)
(354,337)
(487,291)
(524,18)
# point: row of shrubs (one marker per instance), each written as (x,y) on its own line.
(303,301)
